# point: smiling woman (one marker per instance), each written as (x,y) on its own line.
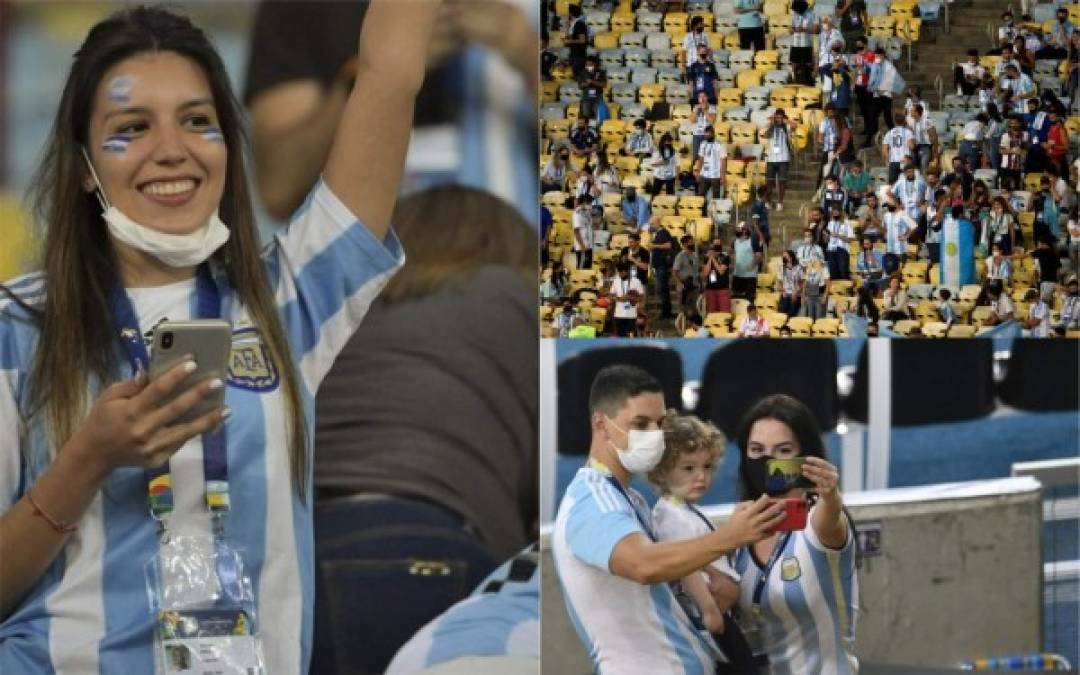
(144,199)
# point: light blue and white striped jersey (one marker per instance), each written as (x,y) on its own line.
(625,626)
(500,618)
(809,605)
(89,612)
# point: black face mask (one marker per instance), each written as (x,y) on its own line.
(568,310)
(755,475)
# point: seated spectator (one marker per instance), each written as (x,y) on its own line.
(998,267)
(754,325)
(1057,45)
(1000,227)
(871,265)
(584,140)
(856,185)
(639,143)
(1037,322)
(1002,307)
(968,75)
(1070,311)
(945,308)
(896,301)
(554,176)
(567,319)
(1018,84)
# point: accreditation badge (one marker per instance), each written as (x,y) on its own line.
(203,608)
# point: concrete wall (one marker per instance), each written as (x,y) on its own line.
(958,577)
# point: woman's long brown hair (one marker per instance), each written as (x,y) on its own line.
(78,339)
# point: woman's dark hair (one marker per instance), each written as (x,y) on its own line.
(78,339)
(791,412)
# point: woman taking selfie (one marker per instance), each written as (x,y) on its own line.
(148,217)
(799,585)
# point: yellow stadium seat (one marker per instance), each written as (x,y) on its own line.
(805,96)
(962,331)
(715,319)
(979,315)
(728,98)
(743,133)
(767,302)
(622,22)
(782,97)
(748,78)
(691,205)
(606,41)
(766,60)
(800,325)
(905,326)
(841,287)
(701,227)
(675,23)
(934,329)
(826,327)
(549,92)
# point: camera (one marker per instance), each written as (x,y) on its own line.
(166,340)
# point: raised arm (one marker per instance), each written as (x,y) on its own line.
(639,559)
(367,158)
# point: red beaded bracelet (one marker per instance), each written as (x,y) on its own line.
(59,526)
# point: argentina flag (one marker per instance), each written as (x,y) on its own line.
(957,253)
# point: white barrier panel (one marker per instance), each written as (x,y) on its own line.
(952,572)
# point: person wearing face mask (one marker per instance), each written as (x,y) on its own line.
(800,588)
(702,76)
(804,26)
(591,81)
(716,278)
(665,163)
(143,193)
(709,167)
(626,292)
(616,575)
(899,228)
(553,177)
(1070,309)
(566,319)
(694,40)
(747,257)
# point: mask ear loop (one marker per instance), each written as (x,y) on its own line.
(100,191)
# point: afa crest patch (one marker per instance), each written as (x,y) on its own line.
(250,366)
(789,569)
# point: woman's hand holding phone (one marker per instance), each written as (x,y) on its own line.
(130,424)
(824,476)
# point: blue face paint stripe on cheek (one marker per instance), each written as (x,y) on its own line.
(116,143)
(213,134)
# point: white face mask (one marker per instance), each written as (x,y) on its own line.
(644,449)
(175,250)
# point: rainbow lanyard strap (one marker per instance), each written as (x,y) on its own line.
(215,445)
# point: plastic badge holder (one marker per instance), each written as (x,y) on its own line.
(204,609)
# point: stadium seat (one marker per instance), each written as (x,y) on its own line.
(746,371)
(953,382)
(576,373)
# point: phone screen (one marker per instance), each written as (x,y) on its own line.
(783,475)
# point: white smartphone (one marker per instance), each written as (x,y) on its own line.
(209,342)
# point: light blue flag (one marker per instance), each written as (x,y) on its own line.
(957,253)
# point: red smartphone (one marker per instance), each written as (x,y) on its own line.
(795,512)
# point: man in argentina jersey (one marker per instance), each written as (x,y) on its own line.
(495,631)
(614,575)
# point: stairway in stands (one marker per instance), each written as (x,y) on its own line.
(932,58)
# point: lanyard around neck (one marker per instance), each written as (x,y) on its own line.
(599,466)
(215,456)
(759,587)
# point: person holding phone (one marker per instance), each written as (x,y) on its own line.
(145,198)
(798,584)
(616,574)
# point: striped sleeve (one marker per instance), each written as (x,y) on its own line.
(818,549)
(599,519)
(10,453)
(327,267)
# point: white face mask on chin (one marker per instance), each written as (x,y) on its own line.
(175,250)
(644,449)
